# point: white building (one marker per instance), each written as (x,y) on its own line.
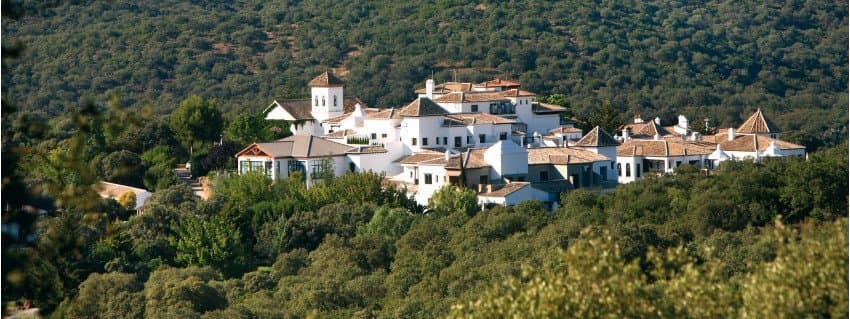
(492,137)
(648,148)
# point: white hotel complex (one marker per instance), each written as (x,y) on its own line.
(491,137)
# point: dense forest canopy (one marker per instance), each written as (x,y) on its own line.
(716,59)
(123,92)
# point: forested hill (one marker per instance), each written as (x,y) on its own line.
(701,58)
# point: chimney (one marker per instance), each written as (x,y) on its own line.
(638,120)
(731,134)
(626,134)
(656,137)
(657,120)
(429,88)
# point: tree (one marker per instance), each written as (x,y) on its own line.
(182,293)
(390,223)
(606,117)
(247,128)
(450,199)
(111,295)
(196,121)
(216,242)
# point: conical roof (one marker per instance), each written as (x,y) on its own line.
(325,79)
(758,124)
(422,106)
(597,137)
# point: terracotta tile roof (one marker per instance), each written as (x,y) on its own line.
(497,82)
(458,86)
(325,79)
(597,137)
(664,148)
(751,143)
(758,124)
(545,108)
(517,93)
(384,114)
(422,107)
(477,118)
(425,158)
(562,130)
(301,146)
(504,190)
(471,97)
(448,87)
(647,129)
(474,158)
(562,156)
(300,108)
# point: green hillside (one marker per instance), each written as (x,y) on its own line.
(717,59)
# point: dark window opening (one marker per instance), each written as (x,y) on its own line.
(413,141)
(482,138)
(427,178)
(424,141)
(474,107)
(503,136)
(628,170)
(458,141)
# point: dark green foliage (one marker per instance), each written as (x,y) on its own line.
(122,167)
(112,295)
(214,242)
(716,59)
(196,121)
(182,292)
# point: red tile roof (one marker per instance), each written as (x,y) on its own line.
(325,79)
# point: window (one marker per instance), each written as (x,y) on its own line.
(474,107)
(383,135)
(678,163)
(457,141)
(637,170)
(483,179)
(468,139)
(323,101)
(503,136)
(296,166)
(413,141)
(316,100)
(445,140)
(612,165)
(427,178)
(619,169)
(320,168)
(544,176)
(255,166)
(482,138)
(352,167)
(374,136)
(424,141)
(334,100)
(437,139)
(628,170)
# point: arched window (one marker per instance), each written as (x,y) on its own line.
(334,100)
(323,101)
(628,170)
(619,169)
(317,100)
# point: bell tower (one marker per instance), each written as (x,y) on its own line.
(326,98)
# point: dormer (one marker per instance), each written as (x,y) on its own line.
(326,96)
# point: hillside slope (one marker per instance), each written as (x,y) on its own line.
(717,59)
